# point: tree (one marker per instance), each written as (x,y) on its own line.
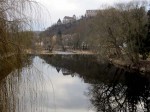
(145,46)
(60,40)
(123,24)
(14,21)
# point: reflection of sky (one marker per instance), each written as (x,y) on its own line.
(69,92)
(36,92)
(32,90)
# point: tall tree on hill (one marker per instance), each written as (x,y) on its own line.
(60,40)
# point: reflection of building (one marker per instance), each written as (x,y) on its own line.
(68,19)
(58,69)
(67,72)
(91,13)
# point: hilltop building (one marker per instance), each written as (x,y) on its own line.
(74,17)
(91,13)
(68,19)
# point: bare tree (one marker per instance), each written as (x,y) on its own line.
(119,30)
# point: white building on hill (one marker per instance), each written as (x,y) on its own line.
(91,13)
(68,19)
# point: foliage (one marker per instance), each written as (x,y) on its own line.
(75,29)
(14,21)
(145,46)
(119,30)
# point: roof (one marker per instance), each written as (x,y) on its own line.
(92,10)
(59,21)
(67,17)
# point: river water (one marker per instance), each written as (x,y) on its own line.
(73,83)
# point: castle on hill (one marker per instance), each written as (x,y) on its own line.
(67,19)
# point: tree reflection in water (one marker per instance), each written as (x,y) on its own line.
(130,95)
(11,81)
(112,89)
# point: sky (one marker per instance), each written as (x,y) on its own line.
(59,8)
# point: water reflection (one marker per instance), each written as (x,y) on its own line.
(40,88)
(73,83)
(20,89)
(112,89)
(7,65)
(131,95)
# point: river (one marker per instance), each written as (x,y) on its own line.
(73,83)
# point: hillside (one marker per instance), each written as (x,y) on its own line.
(68,28)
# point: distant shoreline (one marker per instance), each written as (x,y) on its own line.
(142,67)
(45,52)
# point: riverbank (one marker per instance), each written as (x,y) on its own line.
(69,52)
(143,66)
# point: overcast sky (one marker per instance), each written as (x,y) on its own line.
(60,8)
